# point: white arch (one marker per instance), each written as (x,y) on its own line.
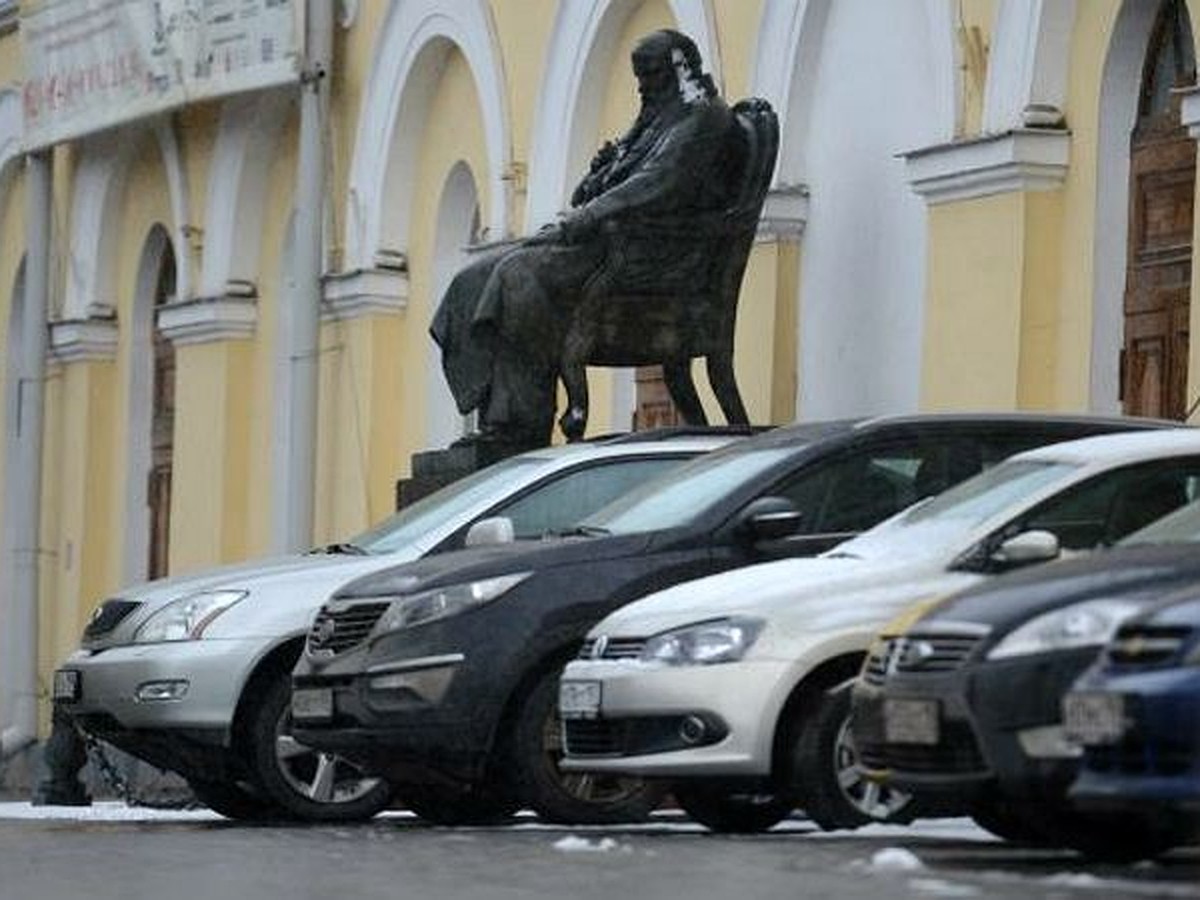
(788,56)
(10,137)
(1029,60)
(583,40)
(1120,86)
(243,156)
(97,190)
(457,218)
(393,108)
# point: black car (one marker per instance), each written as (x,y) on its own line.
(441,674)
(964,708)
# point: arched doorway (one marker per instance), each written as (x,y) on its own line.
(162,425)
(1162,182)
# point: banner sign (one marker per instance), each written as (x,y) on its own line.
(92,64)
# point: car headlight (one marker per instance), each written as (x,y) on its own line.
(720,641)
(1078,625)
(186,618)
(404,612)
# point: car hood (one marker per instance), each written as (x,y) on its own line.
(282,593)
(782,592)
(1128,573)
(492,561)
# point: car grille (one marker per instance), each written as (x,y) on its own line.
(918,653)
(1146,646)
(339,629)
(605,647)
(585,738)
(956,753)
(108,616)
(1142,757)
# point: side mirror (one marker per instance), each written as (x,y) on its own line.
(769,519)
(1026,548)
(485,532)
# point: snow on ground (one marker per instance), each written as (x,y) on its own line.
(104,811)
(575,844)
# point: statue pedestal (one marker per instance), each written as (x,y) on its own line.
(432,469)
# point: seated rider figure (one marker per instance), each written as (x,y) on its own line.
(633,223)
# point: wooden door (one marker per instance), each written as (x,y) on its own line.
(1161,196)
(162,431)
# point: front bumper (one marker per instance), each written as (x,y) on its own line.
(190,734)
(402,719)
(211,673)
(999,726)
(1157,760)
(729,709)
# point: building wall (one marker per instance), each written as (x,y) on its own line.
(864,294)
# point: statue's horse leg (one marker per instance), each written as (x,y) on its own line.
(724,385)
(677,373)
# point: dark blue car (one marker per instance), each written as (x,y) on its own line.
(1137,713)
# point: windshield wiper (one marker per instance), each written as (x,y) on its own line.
(338,550)
(840,554)
(582,531)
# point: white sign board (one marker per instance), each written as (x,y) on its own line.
(93,64)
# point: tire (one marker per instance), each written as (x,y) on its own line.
(1109,836)
(562,797)
(833,791)
(233,801)
(307,785)
(451,806)
(727,811)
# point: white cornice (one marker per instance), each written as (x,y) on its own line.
(784,213)
(84,340)
(1189,110)
(1025,159)
(208,319)
(364,292)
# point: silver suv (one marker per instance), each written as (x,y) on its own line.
(192,674)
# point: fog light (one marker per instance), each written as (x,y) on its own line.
(160,691)
(693,729)
(1048,742)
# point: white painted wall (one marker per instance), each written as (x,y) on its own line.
(863,280)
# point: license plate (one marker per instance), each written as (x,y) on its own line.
(910,721)
(579,699)
(68,685)
(312,704)
(1094,718)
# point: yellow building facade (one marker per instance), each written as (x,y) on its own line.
(949,227)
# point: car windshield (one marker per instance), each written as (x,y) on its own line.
(448,504)
(677,498)
(1180,527)
(950,516)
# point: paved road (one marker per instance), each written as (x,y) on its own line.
(125,855)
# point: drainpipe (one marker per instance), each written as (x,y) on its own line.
(304,318)
(18,666)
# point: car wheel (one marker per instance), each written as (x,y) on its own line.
(834,791)
(233,801)
(307,784)
(572,798)
(731,812)
(447,805)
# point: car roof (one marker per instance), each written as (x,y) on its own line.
(688,440)
(1113,449)
(808,432)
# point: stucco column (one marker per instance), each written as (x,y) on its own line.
(993,270)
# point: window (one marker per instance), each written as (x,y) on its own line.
(563,502)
